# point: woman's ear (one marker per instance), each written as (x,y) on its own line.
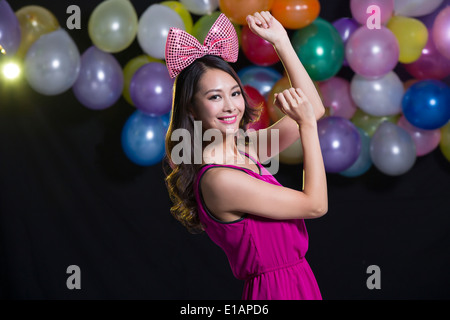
(191,114)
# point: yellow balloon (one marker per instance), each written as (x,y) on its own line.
(34,21)
(292,154)
(412,36)
(370,123)
(113,25)
(128,71)
(444,144)
(184,14)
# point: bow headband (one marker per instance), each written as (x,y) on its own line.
(182,49)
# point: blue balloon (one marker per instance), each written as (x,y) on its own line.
(426,104)
(166,119)
(260,78)
(143,139)
(363,162)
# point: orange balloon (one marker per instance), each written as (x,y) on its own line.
(237,11)
(296,14)
(274,112)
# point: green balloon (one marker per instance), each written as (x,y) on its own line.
(113,25)
(203,25)
(370,123)
(320,49)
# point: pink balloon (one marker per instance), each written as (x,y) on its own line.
(425,140)
(431,64)
(359,9)
(336,95)
(372,53)
(441,32)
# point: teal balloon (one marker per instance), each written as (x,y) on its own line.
(363,162)
(320,48)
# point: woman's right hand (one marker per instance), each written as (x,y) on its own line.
(294,103)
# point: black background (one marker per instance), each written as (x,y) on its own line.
(69,196)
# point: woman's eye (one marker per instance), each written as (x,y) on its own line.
(214,97)
(236,93)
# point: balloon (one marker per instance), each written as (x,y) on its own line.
(52,63)
(364,162)
(153,28)
(392,149)
(258,50)
(412,36)
(100,81)
(426,104)
(336,95)
(345,27)
(256,99)
(359,9)
(372,53)
(340,143)
(113,25)
(238,10)
(34,21)
(166,119)
(143,139)
(295,14)
(260,78)
(370,123)
(292,154)
(428,19)
(10,34)
(444,144)
(431,64)
(424,140)
(378,97)
(130,68)
(151,89)
(274,112)
(415,8)
(441,32)
(182,11)
(201,7)
(320,48)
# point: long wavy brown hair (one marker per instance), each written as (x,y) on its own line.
(180,178)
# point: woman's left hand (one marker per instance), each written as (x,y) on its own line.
(266,26)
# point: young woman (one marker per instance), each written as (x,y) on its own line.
(230,195)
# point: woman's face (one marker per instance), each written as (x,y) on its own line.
(219,102)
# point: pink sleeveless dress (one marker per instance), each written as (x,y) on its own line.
(269,255)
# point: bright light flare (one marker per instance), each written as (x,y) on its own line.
(11,70)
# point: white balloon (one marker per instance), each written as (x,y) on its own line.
(154,25)
(201,7)
(378,97)
(52,63)
(415,8)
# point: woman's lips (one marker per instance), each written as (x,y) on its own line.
(228,120)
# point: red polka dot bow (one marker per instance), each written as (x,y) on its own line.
(182,48)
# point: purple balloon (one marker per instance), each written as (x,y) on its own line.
(372,53)
(340,143)
(100,81)
(428,20)
(151,89)
(345,27)
(10,34)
